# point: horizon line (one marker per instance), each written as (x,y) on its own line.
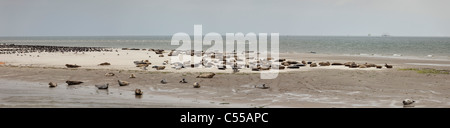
(223,35)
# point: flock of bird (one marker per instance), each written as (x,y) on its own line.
(19,49)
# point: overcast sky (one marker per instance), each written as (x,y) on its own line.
(166,17)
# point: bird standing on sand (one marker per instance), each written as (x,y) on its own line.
(123,83)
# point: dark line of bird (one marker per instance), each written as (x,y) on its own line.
(16,49)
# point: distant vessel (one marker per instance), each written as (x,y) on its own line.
(385,35)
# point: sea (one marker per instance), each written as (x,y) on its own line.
(419,47)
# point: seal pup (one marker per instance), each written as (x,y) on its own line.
(123,83)
(102,86)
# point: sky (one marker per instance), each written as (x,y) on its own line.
(167,17)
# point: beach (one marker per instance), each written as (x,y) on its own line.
(25,78)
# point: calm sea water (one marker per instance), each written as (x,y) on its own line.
(375,46)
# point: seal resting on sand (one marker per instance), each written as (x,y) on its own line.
(362,66)
(292,62)
(52,85)
(123,83)
(370,65)
(336,63)
(221,67)
(163,81)
(72,66)
(206,75)
(348,64)
(262,86)
(109,74)
(353,65)
(138,92)
(303,62)
(293,67)
(313,65)
(161,55)
(160,67)
(158,51)
(132,76)
(69,82)
(183,81)
(324,63)
(196,85)
(387,66)
(379,66)
(408,103)
(280,60)
(103,86)
(104,63)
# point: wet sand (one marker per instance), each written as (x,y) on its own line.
(316,88)
(24,82)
